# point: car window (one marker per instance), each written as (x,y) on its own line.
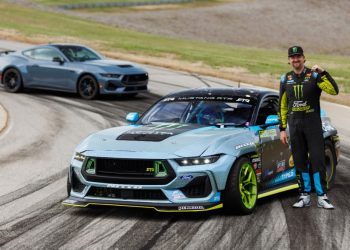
(78,53)
(268,107)
(46,54)
(29,53)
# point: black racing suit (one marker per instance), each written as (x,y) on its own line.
(299,106)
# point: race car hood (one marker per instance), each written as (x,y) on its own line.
(178,140)
(115,66)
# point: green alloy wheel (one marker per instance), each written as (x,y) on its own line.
(241,191)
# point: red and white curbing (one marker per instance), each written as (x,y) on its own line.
(3,118)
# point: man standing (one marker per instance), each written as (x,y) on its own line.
(299,107)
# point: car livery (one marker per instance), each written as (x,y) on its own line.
(193,150)
(70,68)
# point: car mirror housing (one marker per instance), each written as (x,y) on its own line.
(58,59)
(132,117)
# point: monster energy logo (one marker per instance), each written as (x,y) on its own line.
(295,49)
(298,91)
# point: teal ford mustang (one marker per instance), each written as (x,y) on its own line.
(70,68)
(194,150)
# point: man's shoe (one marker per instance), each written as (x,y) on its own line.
(304,201)
(322,201)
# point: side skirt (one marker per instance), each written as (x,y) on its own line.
(278,189)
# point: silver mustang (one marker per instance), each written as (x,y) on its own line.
(70,68)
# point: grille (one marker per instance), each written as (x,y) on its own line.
(126,193)
(198,187)
(130,79)
(131,171)
(123,167)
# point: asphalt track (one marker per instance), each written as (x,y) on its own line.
(35,150)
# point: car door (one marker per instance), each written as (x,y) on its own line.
(275,156)
(45,73)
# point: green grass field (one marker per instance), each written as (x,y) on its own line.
(62,2)
(32,23)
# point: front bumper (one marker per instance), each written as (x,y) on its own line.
(191,188)
(77,202)
(119,86)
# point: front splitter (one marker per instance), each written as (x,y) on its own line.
(172,208)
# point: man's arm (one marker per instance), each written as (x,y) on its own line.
(325,81)
(283,105)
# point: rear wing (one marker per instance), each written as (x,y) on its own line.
(6,52)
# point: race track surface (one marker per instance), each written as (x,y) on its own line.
(35,150)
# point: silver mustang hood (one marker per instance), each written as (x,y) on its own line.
(181,141)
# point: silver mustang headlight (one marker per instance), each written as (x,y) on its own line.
(110,75)
(197,160)
(79,156)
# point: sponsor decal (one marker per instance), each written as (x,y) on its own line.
(281,166)
(243,100)
(268,133)
(289,77)
(209,98)
(282,177)
(257,159)
(255,165)
(268,172)
(186,177)
(178,195)
(291,161)
(300,106)
(123,186)
(156,132)
(298,91)
(216,197)
(190,208)
(308,75)
(243,145)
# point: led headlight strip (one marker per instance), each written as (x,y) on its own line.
(197,160)
(79,157)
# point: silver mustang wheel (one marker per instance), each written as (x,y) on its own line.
(88,87)
(12,80)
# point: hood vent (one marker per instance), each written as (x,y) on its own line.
(125,66)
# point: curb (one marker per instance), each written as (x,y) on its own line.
(3,118)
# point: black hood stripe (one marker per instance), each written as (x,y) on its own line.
(156,132)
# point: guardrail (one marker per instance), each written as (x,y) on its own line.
(121,4)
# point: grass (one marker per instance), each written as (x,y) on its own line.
(33,23)
(63,2)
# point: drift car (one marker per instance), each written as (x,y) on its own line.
(70,68)
(194,150)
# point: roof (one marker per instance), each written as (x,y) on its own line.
(242,92)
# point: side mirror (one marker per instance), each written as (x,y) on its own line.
(272,120)
(132,117)
(58,60)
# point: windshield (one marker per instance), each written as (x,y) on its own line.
(78,53)
(199,112)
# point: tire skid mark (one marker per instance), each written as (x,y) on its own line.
(142,233)
(31,188)
(112,225)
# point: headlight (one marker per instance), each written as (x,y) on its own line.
(79,157)
(197,160)
(110,75)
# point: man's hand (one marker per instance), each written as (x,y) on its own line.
(283,137)
(317,69)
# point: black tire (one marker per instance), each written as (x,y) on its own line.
(331,165)
(69,185)
(232,198)
(88,87)
(12,80)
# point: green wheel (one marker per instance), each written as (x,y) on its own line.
(241,191)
